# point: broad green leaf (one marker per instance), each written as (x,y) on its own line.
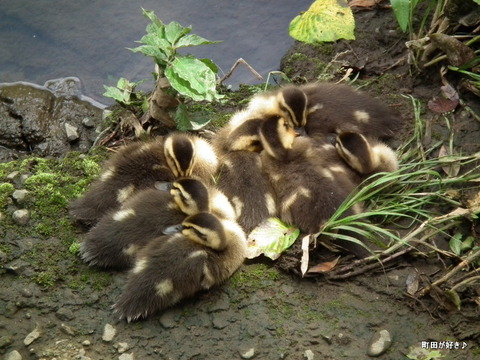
(401,9)
(116,94)
(477,1)
(271,238)
(455,244)
(192,78)
(153,18)
(182,118)
(154,52)
(210,64)
(175,31)
(193,40)
(455,298)
(325,20)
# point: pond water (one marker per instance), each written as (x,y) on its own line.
(47,39)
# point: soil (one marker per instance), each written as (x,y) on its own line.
(264,311)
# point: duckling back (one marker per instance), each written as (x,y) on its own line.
(335,108)
(135,166)
(156,282)
(121,233)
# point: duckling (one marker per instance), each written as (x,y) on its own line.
(310,179)
(326,108)
(366,155)
(242,179)
(138,166)
(171,268)
(118,236)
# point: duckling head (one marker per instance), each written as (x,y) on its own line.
(190,195)
(179,151)
(277,136)
(206,229)
(246,137)
(293,103)
(365,156)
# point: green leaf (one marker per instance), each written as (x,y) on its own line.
(325,20)
(147,50)
(210,64)
(401,9)
(181,118)
(175,31)
(192,78)
(153,18)
(193,40)
(455,244)
(477,1)
(271,238)
(116,94)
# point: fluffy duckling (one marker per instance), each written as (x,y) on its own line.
(366,156)
(326,108)
(207,252)
(140,165)
(118,236)
(242,179)
(310,180)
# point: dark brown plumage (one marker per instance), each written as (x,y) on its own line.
(172,268)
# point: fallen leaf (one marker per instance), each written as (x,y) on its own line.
(324,267)
(451,169)
(441,105)
(364,3)
(305,254)
(271,238)
(412,283)
(449,92)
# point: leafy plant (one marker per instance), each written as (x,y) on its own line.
(179,77)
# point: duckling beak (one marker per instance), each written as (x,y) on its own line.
(300,131)
(173,229)
(163,185)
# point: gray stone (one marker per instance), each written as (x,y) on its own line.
(21,216)
(167,320)
(219,321)
(122,347)
(109,333)
(65,314)
(13,355)
(379,343)
(68,329)
(34,335)
(71,132)
(5,341)
(19,195)
(88,122)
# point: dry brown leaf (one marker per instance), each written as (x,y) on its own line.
(323,267)
(412,283)
(441,105)
(452,169)
(364,3)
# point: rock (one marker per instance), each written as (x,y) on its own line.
(19,195)
(379,343)
(67,86)
(65,314)
(5,341)
(88,122)
(71,132)
(167,320)
(219,322)
(86,343)
(21,216)
(68,330)
(122,347)
(13,355)
(126,357)
(309,355)
(249,354)
(34,335)
(109,333)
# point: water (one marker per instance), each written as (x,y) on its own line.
(47,39)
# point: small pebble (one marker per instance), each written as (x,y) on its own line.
(309,355)
(30,338)
(167,320)
(88,122)
(108,333)
(68,329)
(19,195)
(5,341)
(249,354)
(21,216)
(71,132)
(126,357)
(379,343)
(86,343)
(122,347)
(13,355)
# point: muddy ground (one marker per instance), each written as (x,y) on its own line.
(52,306)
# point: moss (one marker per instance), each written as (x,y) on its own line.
(6,190)
(255,277)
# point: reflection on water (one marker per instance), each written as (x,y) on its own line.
(46,39)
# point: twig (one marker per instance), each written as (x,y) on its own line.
(465,282)
(243,62)
(466,262)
